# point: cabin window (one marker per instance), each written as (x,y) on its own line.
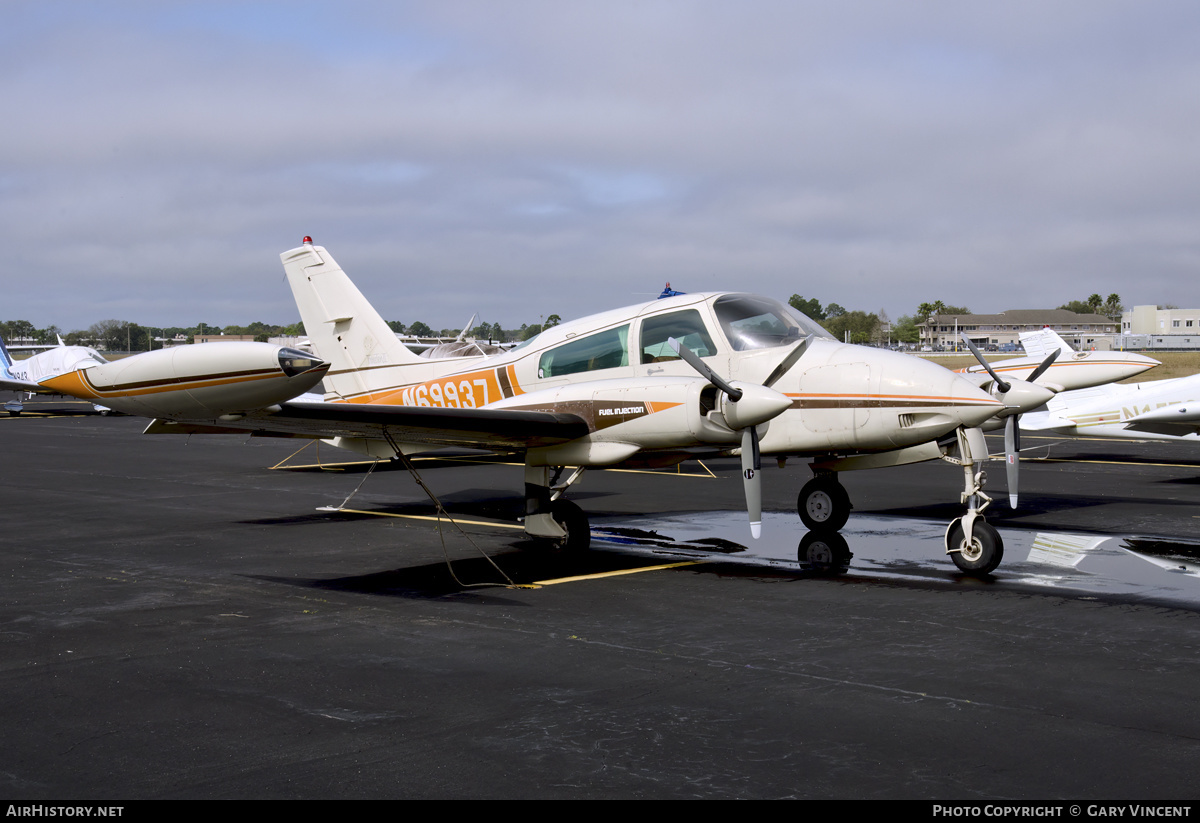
(606,350)
(684,326)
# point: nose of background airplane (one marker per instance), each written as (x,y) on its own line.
(1143,360)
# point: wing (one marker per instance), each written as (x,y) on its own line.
(493,429)
(1178,419)
(12,384)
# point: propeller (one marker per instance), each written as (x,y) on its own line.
(745,407)
(1027,395)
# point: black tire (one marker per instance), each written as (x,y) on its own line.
(823,505)
(983,555)
(575,523)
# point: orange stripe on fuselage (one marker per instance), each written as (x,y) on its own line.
(999,367)
(77,384)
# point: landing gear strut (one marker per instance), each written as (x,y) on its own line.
(823,503)
(972,543)
(560,523)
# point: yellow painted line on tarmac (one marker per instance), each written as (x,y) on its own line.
(618,572)
(538,583)
(1109,462)
(39,415)
(491,523)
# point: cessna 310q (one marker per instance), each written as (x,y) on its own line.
(653,384)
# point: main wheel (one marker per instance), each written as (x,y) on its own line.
(984,553)
(823,504)
(574,522)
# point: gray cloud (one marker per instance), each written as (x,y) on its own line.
(528,158)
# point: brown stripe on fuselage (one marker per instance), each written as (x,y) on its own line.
(177,383)
(999,367)
(502,379)
(835,401)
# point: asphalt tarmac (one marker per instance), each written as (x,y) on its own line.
(180,621)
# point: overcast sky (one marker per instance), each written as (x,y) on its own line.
(521,159)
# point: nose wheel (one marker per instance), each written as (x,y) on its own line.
(972,543)
(981,554)
(823,504)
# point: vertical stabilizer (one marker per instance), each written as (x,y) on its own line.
(343,327)
(1043,341)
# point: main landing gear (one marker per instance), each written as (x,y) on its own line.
(548,518)
(823,503)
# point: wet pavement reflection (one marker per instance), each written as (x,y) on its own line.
(1126,567)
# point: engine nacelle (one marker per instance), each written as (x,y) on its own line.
(197,382)
(627,415)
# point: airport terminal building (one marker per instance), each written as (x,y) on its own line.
(1003,330)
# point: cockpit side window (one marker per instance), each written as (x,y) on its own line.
(685,326)
(751,322)
(605,350)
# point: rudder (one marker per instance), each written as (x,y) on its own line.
(343,326)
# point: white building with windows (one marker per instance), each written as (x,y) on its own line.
(1083,331)
(1149,327)
(1153,320)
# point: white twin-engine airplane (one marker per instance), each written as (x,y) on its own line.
(1071,369)
(1153,410)
(682,377)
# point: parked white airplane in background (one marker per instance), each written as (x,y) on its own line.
(1072,369)
(1153,410)
(25,376)
(654,384)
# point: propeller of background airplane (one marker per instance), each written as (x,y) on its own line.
(749,406)
(1027,396)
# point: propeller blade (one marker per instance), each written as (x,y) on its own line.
(1045,364)
(1000,384)
(693,360)
(786,364)
(759,404)
(752,480)
(1012,455)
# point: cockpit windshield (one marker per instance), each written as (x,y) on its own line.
(752,322)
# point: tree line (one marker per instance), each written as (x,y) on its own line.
(874,328)
(123,335)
